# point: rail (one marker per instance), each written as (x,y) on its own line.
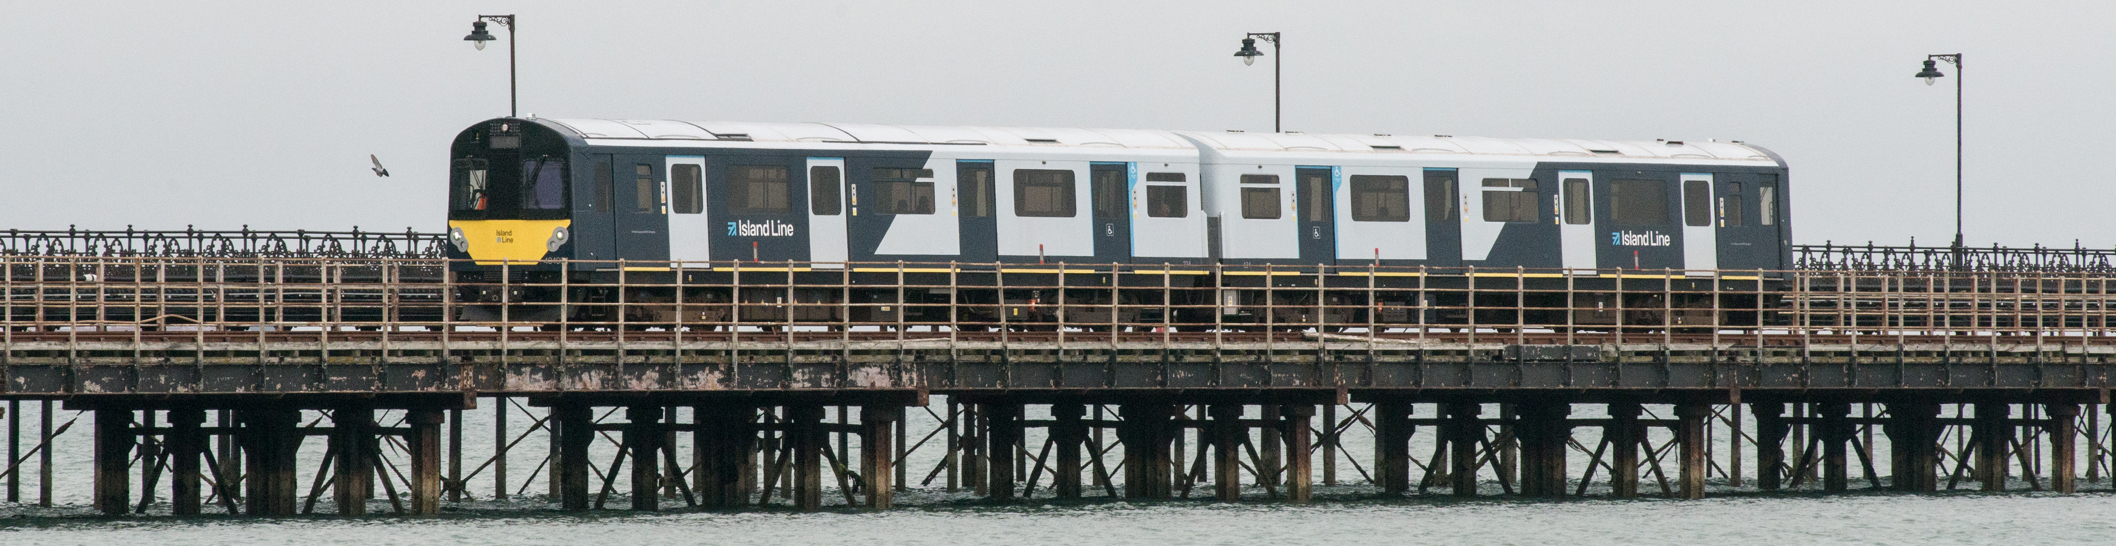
(256,299)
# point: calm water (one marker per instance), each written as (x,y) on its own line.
(1863,519)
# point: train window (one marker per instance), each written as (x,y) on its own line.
(1578,209)
(469,186)
(543,184)
(758,189)
(1767,201)
(977,192)
(1439,195)
(1314,195)
(1044,193)
(823,195)
(686,189)
(603,188)
(1108,193)
(900,191)
(1697,203)
(903,197)
(646,193)
(1165,177)
(1167,201)
(1510,200)
(1260,203)
(1638,202)
(1259,179)
(1732,218)
(1381,198)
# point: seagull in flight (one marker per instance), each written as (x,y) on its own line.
(379,171)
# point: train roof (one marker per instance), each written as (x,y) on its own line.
(1225,142)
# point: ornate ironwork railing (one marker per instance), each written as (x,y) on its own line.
(2034,259)
(244,243)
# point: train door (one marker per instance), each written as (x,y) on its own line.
(826,212)
(1748,221)
(641,213)
(1700,216)
(977,215)
(1314,205)
(593,230)
(1443,220)
(1576,234)
(1110,191)
(684,199)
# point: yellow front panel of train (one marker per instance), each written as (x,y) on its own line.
(490,242)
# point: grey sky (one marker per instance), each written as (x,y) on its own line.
(223,114)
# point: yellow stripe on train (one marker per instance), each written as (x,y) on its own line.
(518,241)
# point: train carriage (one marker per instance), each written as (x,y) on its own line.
(547,199)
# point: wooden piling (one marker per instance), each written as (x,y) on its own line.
(114,440)
(1270,444)
(805,428)
(1624,433)
(1913,432)
(353,469)
(455,455)
(1545,437)
(1991,438)
(187,445)
(725,438)
(424,443)
(499,447)
(1003,432)
(1690,437)
(1068,433)
(575,433)
(1146,432)
(1464,433)
(2064,435)
(271,438)
(1392,445)
(1770,444)
(1836,431)
(1300,473)
(14,450)
(877,454)
(1227,436)
(1329,444)
(642,438)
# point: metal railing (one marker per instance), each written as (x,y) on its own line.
(243,243)
(256,299)
(1870,257)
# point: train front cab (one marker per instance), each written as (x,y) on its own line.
(510,213)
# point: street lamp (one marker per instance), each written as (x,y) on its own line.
(478,36)
(1249,54)
(1931,73)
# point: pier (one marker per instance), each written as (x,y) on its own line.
(201,378)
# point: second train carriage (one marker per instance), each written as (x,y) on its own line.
(550,199)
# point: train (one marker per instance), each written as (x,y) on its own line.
(1222,218)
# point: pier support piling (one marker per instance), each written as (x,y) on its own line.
(725,438)
(1771,431)
(1147,432)
(1068,433)
(1913,431)
(642,438)
(2063,432)
(1003,431)
(271,438)
(424,442)
(805,429)
(352,439)
(877,454)
(113,460)
(187,445)
(1836,431)
(1392,445)
(1464,432)
(1227,440)
(1691,443)
(1300,473)
(575,433)
(1545,437)
(1624,435)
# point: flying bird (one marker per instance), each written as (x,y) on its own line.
(379,171)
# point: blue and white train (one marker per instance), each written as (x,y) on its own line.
(571,196)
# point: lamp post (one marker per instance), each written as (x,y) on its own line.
(478,36)
(1930,73)
(1249,54)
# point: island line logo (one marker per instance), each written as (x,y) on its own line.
(1634,238)
(767,228)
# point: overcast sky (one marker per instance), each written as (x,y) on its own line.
(167,114)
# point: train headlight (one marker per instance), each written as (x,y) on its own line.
(559,236)
(455,237)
